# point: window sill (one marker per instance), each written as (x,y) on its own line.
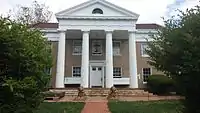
(76,54)
(145,56)
(144,82)
(117,77)
(76,76)
(117,55)
(97,54)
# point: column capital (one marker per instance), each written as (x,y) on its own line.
(109,31)
(85,31)
(61,30)
(132,31)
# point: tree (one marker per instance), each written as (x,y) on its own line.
(36,13)
(24,55)
(176,52)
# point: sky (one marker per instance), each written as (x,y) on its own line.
(150,11)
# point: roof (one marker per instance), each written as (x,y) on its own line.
(45,25)
(55,25)
(148,26)
(69,11)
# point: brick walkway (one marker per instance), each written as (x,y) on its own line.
(95,107)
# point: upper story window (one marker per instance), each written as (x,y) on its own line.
(97,11)
(77,47)
(116,48)
(144,47)
(97,47)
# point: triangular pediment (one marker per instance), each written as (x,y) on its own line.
(86,9)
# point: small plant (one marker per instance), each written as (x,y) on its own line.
(81,93)
(112,93)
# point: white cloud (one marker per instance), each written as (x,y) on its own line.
(150,11)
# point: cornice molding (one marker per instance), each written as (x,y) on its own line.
(96,17)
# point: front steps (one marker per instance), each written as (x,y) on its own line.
(103,92)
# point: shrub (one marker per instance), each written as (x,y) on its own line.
(160,84)
(24,56)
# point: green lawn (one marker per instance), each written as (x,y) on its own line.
(145,107)
(60,107)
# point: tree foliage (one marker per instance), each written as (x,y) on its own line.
(24,55)
(176,51)
(36,13)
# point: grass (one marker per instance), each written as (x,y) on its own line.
(145,107)
(69,107)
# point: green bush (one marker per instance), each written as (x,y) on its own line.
(24,56)
(160,84)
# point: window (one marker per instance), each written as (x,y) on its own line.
(116,48)
(96,47)
(144,47)
(146,72)
(117,72)
(47,71)
(76,72)
(77,47)
(97,11)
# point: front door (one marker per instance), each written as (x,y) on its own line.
(96,76)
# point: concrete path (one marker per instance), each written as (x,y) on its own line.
(95,107)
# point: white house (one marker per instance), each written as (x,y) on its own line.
(98,44)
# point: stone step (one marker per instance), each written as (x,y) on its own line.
(104,92)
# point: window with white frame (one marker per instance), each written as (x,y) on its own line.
(76,71)
(146,72)
(117,72)
(116,48)
(144,47)
(77,47)
(96,47)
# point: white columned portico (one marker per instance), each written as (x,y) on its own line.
(60,72)
(85,60)
(132,60)
(109,59)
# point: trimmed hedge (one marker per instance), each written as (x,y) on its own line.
(160,84)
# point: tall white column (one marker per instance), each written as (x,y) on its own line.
(60,72)
(85,60)
(109,60)
(132,60)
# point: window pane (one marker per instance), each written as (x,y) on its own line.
(99,69)
(76,71)
(94,69)
(77,46)
(146,73)
(96,47)
(97,11)
(116,44)
(117,72)
(143,49)
(116,48)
